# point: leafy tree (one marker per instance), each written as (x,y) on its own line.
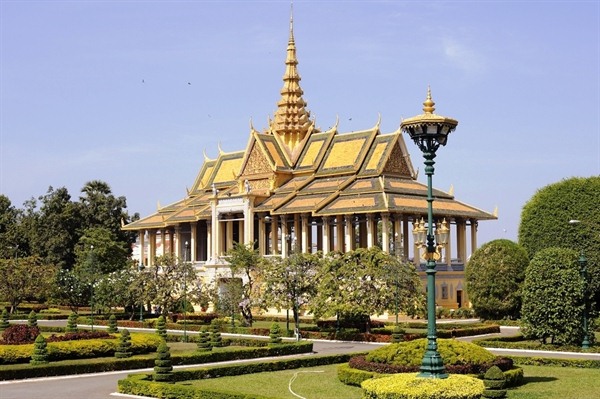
(71,289)
(365,282)
(109,254)
(40,351)
(545,221)
(494,277)
(166,280)
(553,295)
(245,261)
(9,234)
(121,289)
(24,278)
(289,283)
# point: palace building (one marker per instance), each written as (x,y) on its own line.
(298,188)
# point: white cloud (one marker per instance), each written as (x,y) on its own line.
(462,56)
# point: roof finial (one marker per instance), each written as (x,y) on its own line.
(428,105)
(291,21)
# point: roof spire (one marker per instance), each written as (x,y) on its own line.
(291,121)
(428,105)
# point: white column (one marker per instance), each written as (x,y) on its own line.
(405,235)
(284,237)
(229,235)
(371,231)
(325,231)
(385,245)
(151,247)
(142,246)
(305,235)
(209,247)
(177,241)
(193,240)
(275,234)
(473,235)
(339,232)
(248,222)
(262,235)
(348,233)
(163,242)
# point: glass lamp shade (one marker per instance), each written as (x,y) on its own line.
(442,232)
(419,232)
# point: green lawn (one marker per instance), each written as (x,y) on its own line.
(322,383)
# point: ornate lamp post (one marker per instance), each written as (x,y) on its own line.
(585,344)
(92,285)
(141,269)
(430,131)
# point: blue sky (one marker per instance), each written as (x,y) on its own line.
(133,92)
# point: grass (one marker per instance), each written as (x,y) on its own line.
(311,383)
(557,383)
(321,382)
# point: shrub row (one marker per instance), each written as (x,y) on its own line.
(91,348)
(539,361)
(409,386)
(142,384)
(20,371)
(518,342)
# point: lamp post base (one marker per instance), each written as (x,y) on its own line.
(432,366)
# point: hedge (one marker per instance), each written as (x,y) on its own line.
(409,386)
(20,371)
(543,361)
(142,384)
(519,342)
(67,350)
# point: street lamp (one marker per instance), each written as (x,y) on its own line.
(187,246)
(141,269)
(92,285)
(585,344)
(430,131)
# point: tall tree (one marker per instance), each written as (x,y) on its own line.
(545,221)
(553,296)
(494,276)
(289,283)
(24,278)
(245,262)
(109,253)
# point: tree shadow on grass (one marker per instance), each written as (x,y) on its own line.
(529,380)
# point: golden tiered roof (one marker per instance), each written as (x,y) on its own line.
(291,167)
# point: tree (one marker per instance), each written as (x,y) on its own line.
(545,222)
(365,282)
(161,327)
(71,323)
(9,235)
(109,254)
(494,277)
(553,295)
(245,261)
(32,319)
(124,347)
(289,283)
(166,281)
(163,366)
(71,289)
(203,342)
(40,351)
(24,278)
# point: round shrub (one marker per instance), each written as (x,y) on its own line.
(410,386)
(411,353)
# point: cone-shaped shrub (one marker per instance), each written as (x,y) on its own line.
(124,347)
(161,327)
(71,323)
(494,381)
(397,334)
(275,334)
(4,324)
(204,341)
(32,319)
(216,341)
(112,324)
(40,352)
(163,367)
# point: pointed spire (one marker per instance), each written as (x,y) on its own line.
(291,121)
(428,105)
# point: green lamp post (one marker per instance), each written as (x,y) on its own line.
(430,131)
(585,344)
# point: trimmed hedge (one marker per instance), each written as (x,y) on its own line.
(20,371)
(519,342)
(409,386)
(351,376)
(142,384)
(91,348)
(542,361)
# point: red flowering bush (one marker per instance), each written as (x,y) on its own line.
(19,334)
(75,336)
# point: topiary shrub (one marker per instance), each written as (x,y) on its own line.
(4,324)
(410,386)
(161,327)
(112,324)
(163,366)
(216,341)
(19,334)
(124,347)
(203,342)
(494,381)
(40,351)
(275,334)
(32,319)
(71,323)
(397,334)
